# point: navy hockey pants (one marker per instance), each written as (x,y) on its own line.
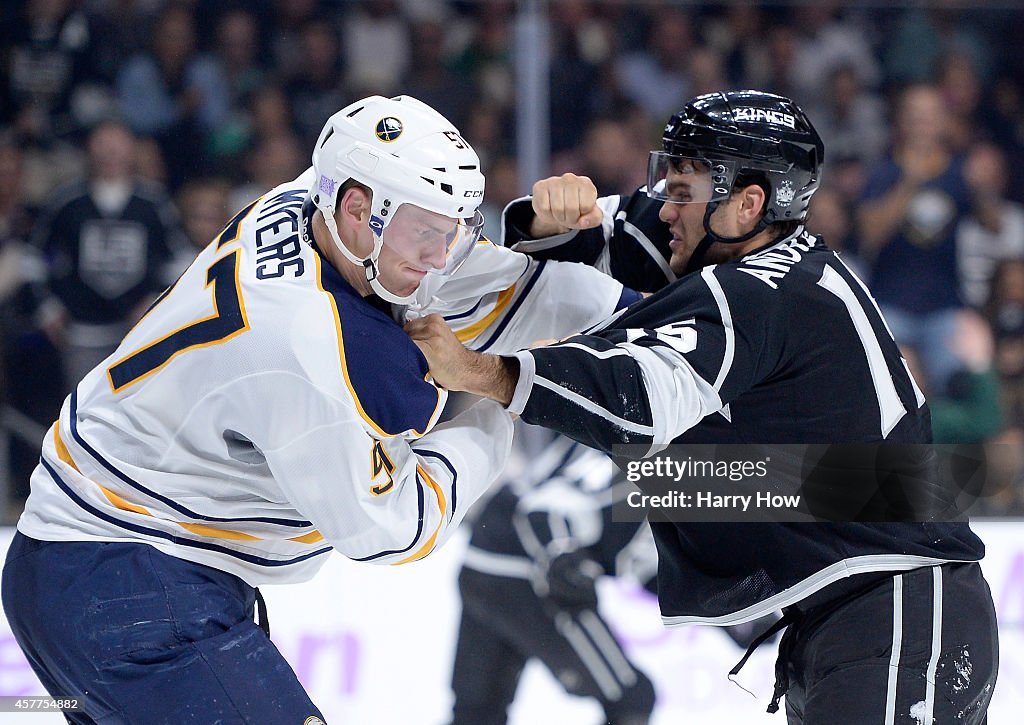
(143,637)
(918,647)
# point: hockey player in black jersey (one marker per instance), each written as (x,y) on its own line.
(766,337)
(528,586)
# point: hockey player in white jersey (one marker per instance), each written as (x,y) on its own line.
(267,409)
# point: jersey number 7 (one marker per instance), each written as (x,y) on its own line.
(228,319)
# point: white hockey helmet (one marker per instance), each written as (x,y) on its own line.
(424,177)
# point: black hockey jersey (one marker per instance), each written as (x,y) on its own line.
(784,345)
(563,503)
(102,265)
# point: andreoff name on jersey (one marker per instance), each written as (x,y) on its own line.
(773,263)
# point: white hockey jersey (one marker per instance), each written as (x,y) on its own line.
(262,412)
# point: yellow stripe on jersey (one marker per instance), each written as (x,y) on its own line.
(313,537)
(442,504)
(65,455)
(62,450)
(217,533)
(344,365)
(122,504)
(469,332)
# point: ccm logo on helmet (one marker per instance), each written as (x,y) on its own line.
(473,194)
(763,114)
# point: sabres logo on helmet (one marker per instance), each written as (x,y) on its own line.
(388,129)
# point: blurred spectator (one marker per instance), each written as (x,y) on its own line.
(913,202)
(994,229)
(376,47)
(16,216)
(706,70)
(149,162)
(924,35)
(962,91)
(288,18)
(487,131)
(15,226)
(850,119)
(738,34)
(29,391)
(487,59)
(123,29)
(238,51)
(48,83)
(174,93)
(106,241)
(608,155)
(831,217)
(269,113)
(273,161)
(826,43)
(430,79)
(581,48)
(1003,494)
(970,412)
(1005,312)
(204,209)
(502,188)
(317,89)
(1004,122)
(780,70)
(656,77)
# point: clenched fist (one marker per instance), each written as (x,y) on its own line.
(562,203)
(446,356)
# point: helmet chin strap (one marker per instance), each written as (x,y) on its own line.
(715,237)
(696,261)
(368,263)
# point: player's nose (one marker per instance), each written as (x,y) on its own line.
(435,254)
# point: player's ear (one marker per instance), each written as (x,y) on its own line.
(752,204)
(354,206)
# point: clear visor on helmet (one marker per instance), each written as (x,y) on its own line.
(427,241)
(688,179)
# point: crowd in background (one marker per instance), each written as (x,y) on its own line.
(131,130)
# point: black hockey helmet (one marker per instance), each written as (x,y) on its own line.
(746,135)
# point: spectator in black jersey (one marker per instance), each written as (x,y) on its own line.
(107,242)
(779,342)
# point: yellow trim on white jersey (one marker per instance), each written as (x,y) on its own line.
(467,333)
(344,366)
(442,505)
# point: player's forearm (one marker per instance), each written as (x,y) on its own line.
(489,376)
